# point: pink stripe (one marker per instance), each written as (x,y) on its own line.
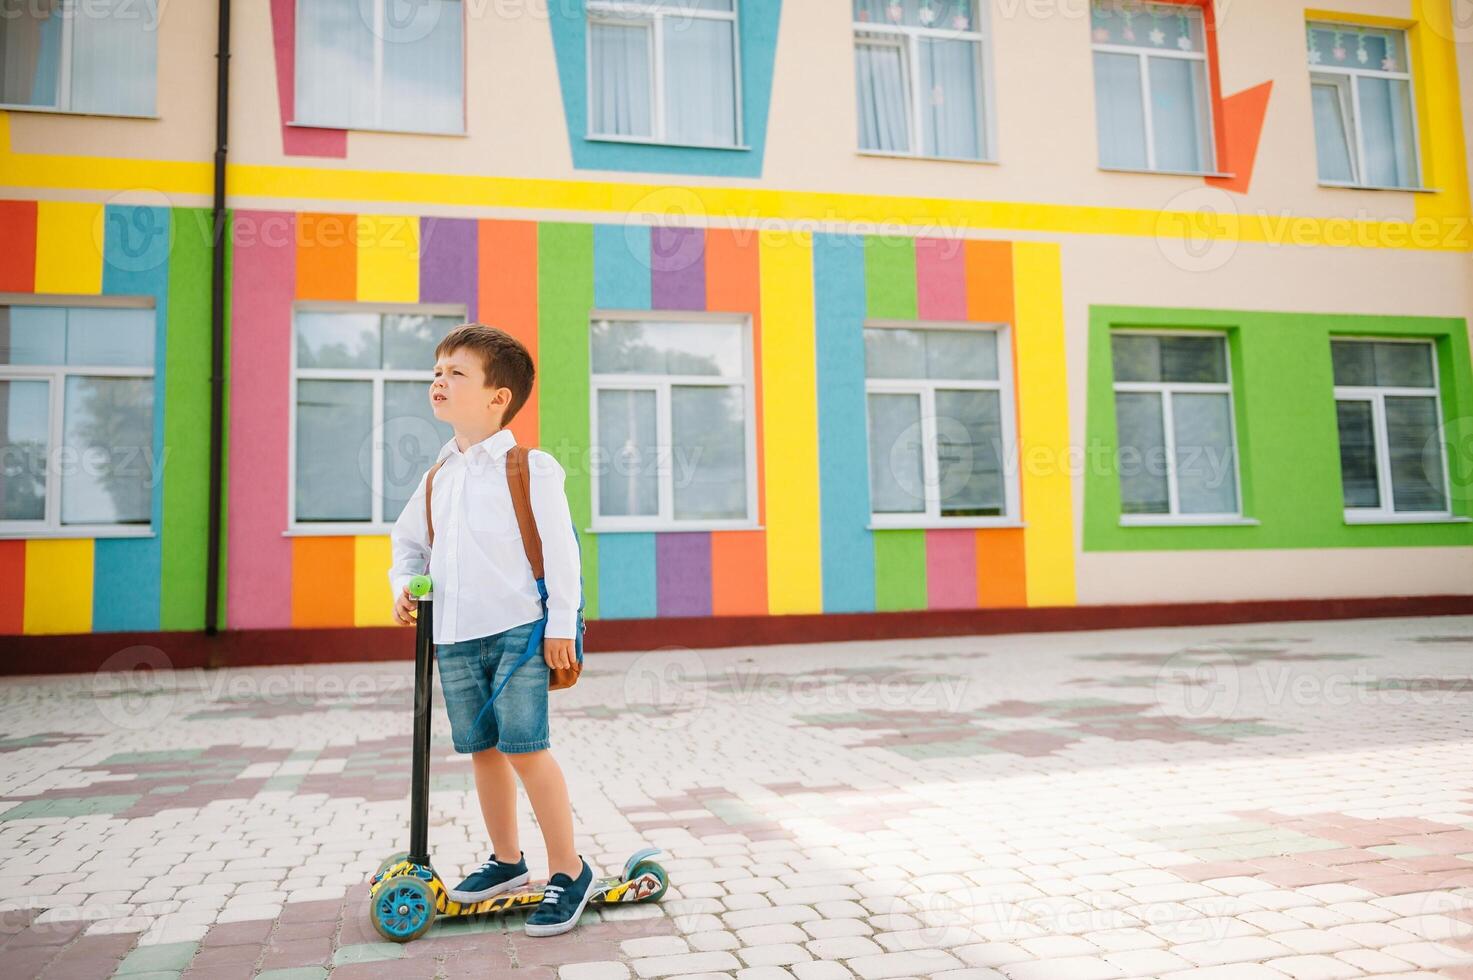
(297,141)
(259,589)
(951,569)
(941,279)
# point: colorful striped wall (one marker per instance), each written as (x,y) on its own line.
(80,585)
(807,297)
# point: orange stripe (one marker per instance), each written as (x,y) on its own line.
(990,281)
(327,256)
(322,581)
(508,298)
(738,573)
(739,558)
(1000,580)
(13,596)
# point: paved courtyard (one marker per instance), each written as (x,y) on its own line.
(1284,800)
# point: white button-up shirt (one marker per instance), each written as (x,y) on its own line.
(482,580)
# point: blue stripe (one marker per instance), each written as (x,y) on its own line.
(621,267)
(626,576)
(626,561)
(127,572)
(843,452)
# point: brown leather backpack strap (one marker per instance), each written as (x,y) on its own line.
(519,482)
(429,499)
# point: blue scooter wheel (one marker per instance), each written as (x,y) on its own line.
(651,867)
(403,910)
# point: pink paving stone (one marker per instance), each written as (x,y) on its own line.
(1397,884)
(1214,869)
(294,912)
(1344,855)
(295,953)
(1305,876)
(1432,863)
(46,934)
(1369,869)
(28,961)
(402,969)
(1452,842)
(287,932)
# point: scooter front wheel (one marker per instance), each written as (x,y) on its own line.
(403,910)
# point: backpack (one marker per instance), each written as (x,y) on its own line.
(519,482)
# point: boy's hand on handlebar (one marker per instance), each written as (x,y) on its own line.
(406,609)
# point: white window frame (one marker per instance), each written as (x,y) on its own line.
(379,523)
(64,73)
(661,384)
(1145,55)
(620,13)
(378,81)
(1345,77)
(55,375)
(1165,389)
(926,388)
(908,39)
(1376,395)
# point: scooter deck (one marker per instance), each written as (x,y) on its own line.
(608,890)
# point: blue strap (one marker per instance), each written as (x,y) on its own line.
(534,647)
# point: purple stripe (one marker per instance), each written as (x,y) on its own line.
(678,264)
(447,262)
(683,573)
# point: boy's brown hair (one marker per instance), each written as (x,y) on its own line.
(505,362)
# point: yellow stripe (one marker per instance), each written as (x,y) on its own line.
(1043,429)
(790,438)
(722,206)
(372,605)
(58,586)
(69,247)
(388,258)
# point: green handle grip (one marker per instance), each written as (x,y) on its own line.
(419,586)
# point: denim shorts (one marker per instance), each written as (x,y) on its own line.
(471,669)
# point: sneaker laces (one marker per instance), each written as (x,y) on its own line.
(551,894)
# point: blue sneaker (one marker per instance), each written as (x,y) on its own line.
(491,878)
(563,901)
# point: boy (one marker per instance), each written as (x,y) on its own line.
(486,604)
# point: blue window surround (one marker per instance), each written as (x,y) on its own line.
(757,35)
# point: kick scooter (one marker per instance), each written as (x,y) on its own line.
(406,894)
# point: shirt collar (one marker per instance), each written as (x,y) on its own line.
(493,446)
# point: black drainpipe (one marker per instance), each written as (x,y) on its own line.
(217,320)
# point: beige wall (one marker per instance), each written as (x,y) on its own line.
(1042,76)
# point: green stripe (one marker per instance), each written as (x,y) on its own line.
(890,278)
(890,292)
(564,298)
(900,570)
(186,416)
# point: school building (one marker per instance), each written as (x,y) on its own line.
(852,317)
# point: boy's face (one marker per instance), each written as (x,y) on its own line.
(459,394)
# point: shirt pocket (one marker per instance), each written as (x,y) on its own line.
(488,506)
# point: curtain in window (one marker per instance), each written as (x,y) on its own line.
(334,429)
(1386,129)
(1142,463)
(1415,452)
(1179,114)
(897,476)
(109,423)
(620,56)
(24,412)
(949,90)
(423,71)
(30,53)
(709,453)
(628,483)
(883,88)
(1332,130)
(1120,115)
(114,55)
(1206,467)
(1357,454)
(700,82)
(335,85)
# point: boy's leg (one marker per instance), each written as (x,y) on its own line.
(496,785)
(548,791)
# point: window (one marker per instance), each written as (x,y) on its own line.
(76,419)
(672,424)
(1174,421)
(381,64)
(1389,417)
(919,77)
(664,71)
(940,419)
(1152,96)
(95,56)
(1361,85)
(363,431)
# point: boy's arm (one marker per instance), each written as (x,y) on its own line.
(560,567)
(410,542)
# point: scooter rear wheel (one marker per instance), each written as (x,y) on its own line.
(403,910)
